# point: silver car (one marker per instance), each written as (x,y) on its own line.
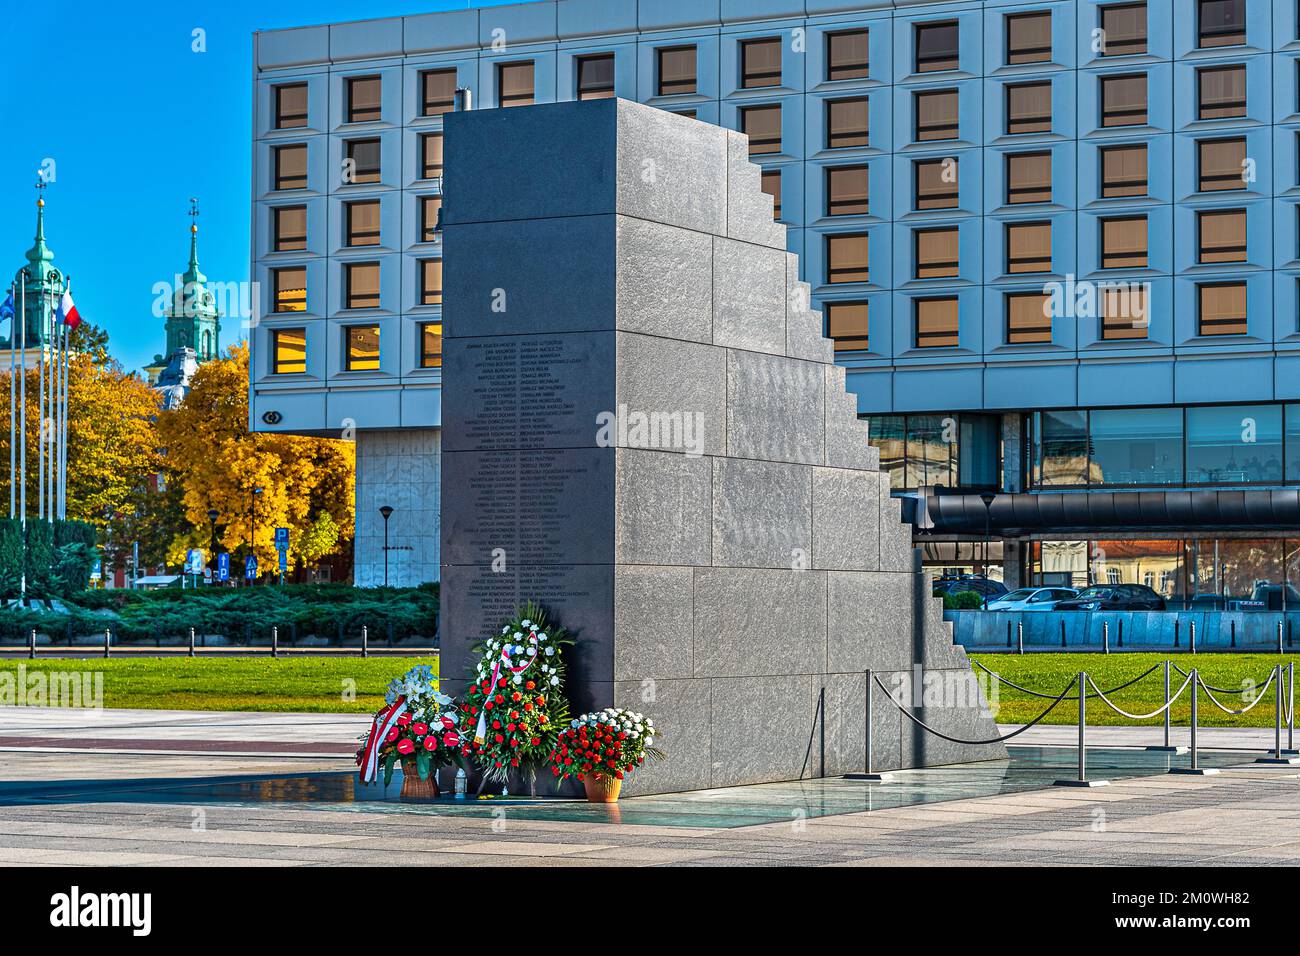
(1032,599)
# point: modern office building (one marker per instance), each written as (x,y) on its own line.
(1056,242)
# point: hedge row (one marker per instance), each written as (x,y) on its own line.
(60,556)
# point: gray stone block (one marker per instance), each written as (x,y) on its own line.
(762,730)
(681,710)
(748,296)
(750,215)
(673,395)
(845,502)
(896,550)
(762,514)
(662,508)
(774,408)
(671,169)
(542,275)
(869,621)
(665,280)
(759,622)
(654,621)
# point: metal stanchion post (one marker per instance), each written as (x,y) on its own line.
(1105,637)
(1194,768)
(1279,637)
(31,650)
(1083,780)
(1167,746)
(868,772)
(365,641)
(1191,637)
(1277,723)
(191,642)
(1020,635)
(1290,712)
(275,642)
(108,640)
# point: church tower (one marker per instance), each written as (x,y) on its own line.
(193,324)
(40,284)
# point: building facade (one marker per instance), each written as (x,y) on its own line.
(1056,242)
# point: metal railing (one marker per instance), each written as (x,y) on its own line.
(1110,631)
(1281,679)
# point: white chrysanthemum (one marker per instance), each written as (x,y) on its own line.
(519,636)
(526,623)
(550,651)
(519,679)
(541,636)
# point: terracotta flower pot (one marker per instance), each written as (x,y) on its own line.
(602,789)
(415,789)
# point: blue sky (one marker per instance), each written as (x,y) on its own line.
(136,123)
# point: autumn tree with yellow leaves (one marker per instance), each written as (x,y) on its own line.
(212,461)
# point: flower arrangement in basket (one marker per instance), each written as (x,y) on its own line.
(601,748)
(418,726)
(516,702)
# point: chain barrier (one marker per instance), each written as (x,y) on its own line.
(957,740)
(1034,693)
(1124,713)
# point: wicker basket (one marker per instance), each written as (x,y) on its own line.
(413,788)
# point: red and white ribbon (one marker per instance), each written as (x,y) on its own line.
(480,732)
(383,723)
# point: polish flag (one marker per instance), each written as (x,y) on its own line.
(68,312)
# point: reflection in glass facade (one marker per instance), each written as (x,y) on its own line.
(1155,447)
(938,450)
(1223,574)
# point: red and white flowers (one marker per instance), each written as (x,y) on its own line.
(428,734)
(609,743)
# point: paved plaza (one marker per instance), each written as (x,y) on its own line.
(221,789)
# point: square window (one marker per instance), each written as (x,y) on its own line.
(1221,23)
(430,155)
(936,115)
(361,348)
(290,229)
(936,253)
(847,258)
(772,186)
(288,351)
(1222,164)
(847,55)
(847,123)
(430,345)
(1124,170)
(1124,311)
(1222,235)
(291,106)
(1029,37)
(936,323)
(846,325)
(1124,100)
(291,166)
(290,286)
(762,124)
(361,285)
(936,183)
(1029,108)
(364,99)
(1222,92)
(437,92)
(760,63)
(361,220)
(936,46)
(515,83)
(1029,178)
(1029,247)
(846,191)
(1124,29)
(676,70)
(1124,243)
(430,206)
(1222,308)
(431,282)
(1028,318)
(363,165)
(596,77)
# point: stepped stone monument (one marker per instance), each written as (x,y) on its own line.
(644,431)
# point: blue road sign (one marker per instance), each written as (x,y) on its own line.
(223,567)
(282,538)
(284,560)
(250,567)
(194,561)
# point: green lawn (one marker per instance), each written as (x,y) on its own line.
(1050,673)
(309,684)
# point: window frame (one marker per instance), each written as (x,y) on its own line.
(349,271)
(1104,255)
(1201,288)
(758,147)
(829,309)
(851,133)
(1202,73)
(349,233)
(350,99)
(277,234)
(1202,215)
(1011,190)
(424,166)
(946,269)
(429,296)
(349,363)
(758,79)
(833,239)
(277,361)
(278,105)
(1027,15)
(1028,224)
(1107,115)
(349,147)
(917,96)
(1119,7)
(955,333)
(694,81)
(600,91)
(918,200)
(1101,170)
(831,202)
(425,362)
(278,177)
(278,291)
(1029,335)
(954,58)
(1042,122)
(516,99)
(853,68)
(447,106)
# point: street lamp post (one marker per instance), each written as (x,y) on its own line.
(987,498)
(212,545)
(387,512)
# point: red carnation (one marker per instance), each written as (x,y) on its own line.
(516,696)
(500,698)
(487,705)
(500,738)
(496,725)
(501,682)
(529,685)
(536,741)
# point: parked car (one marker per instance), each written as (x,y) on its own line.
(1114,597)
(1032,599)
(984,587)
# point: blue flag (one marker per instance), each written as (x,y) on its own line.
(7,307)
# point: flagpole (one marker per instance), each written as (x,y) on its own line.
(40,405)
(22,433)
(63,419)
